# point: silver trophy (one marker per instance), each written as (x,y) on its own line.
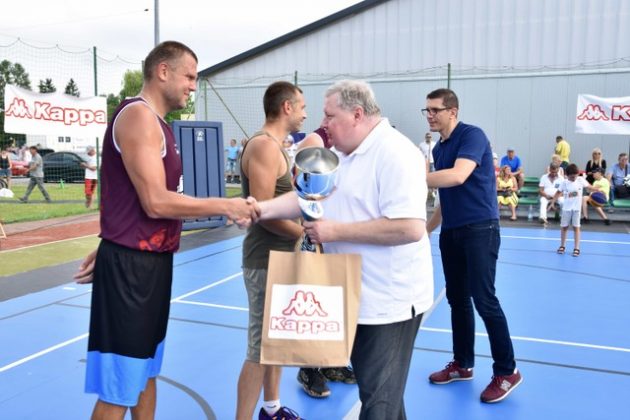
(316,169)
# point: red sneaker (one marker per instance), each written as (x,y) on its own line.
(500,387)
(452,372)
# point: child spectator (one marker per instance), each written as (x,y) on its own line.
(232,157)
(599,197)
(571,188)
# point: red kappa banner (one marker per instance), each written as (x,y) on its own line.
(54,114)
(596,115)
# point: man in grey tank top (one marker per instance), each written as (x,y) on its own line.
(266,173)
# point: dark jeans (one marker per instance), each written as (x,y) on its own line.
(469,259)
(380,358)
(40,184)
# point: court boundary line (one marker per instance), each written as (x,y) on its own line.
(540,340)
(85,335)
(6,251)
(557,239)
(534,362)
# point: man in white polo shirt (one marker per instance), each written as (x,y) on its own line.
(373,215)
(548,186)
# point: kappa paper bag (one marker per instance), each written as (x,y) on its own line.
(311,309)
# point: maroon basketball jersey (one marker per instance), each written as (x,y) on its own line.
(123,221)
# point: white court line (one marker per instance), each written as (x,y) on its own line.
(213,305)
(47,243)
(540,340)
(43,352)
(216,283)
(82,336)
(592,241)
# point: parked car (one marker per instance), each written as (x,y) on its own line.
(64,166)
(44,151)
(18,166)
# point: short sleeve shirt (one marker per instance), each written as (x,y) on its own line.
(475,200)
(385,177)
(89,173)
(514,164)
(550,187)
(572,193)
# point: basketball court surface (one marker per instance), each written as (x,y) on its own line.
(568,318)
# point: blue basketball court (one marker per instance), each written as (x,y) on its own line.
(568,318)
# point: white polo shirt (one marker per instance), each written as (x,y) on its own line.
(385,177)
(548,186)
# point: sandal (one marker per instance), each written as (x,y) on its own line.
(576,252)
(561,250)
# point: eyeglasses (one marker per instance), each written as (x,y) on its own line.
(432,111)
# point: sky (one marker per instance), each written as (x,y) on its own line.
(215,30)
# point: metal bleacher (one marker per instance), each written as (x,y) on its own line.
(528,195)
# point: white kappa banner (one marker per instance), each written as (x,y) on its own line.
(54,114)
(306,312)
(596,115)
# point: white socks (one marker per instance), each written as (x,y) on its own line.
(271,406)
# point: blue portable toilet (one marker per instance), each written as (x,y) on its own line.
(200,145)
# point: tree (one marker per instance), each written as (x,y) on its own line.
(72,88)
(47,86)
(132,84)
(13,74)
(112,102)
(177,115)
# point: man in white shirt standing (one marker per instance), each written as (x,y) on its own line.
(427,150)
(385,224)
(547,188)
(91,176)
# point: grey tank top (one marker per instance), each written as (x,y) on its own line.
(258,240)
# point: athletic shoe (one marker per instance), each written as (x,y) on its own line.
(23,200)
(607,222)
(340,374)
(284,413)
(313,382)
(501,386)
(452,372)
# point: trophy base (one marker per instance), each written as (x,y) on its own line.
(311,210)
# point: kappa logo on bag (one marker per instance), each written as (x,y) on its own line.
(304,304)
(306,312)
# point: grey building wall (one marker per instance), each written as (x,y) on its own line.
(517,67)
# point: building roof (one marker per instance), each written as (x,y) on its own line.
(291,36)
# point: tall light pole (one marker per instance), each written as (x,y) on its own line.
(156,25)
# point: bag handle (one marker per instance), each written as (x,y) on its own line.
(304,244)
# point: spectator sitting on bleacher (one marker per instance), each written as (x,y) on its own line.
(514,162)
(598,198)
(548,186)
(558,161)
(617,177)
(506,190)
(596,162)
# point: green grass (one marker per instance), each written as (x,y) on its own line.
(67,199)
(46,255)
(232,192)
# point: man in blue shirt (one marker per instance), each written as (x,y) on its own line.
(514,162)
(617,176)
(469,244)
